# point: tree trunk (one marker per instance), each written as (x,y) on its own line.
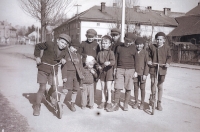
(43,21)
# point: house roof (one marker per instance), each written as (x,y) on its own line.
(188,25)
(136,15)
(194,11)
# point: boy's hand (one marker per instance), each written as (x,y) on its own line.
(65,80)
(166,65)
(135,74)
(92,71)
(114,73)
(38,60)
(106,63)
(144,77)
(63,61)
(149,62)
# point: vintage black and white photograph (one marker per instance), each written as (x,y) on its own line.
(99,65)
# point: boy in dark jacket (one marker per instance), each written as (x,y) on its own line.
(125,69)
(53,53)
(159,53)
(70,77)
(142,69)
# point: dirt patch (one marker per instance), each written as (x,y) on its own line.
(10,119)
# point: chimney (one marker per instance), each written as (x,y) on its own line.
(103,4)
(114,4)
(149,7)
(166,11)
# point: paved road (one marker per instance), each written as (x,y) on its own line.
(182,93)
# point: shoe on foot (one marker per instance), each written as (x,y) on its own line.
(72,107)
(36,110)
(83,107)
(108,106)
(115,107)
(91,107)
(102,105)
(141,106)
(135,106)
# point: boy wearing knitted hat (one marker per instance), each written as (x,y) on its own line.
(159,54)
(53,53)
(125,69)
(142,69)
(70,77)
(106,61)
(87,90)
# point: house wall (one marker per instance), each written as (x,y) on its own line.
(77,29)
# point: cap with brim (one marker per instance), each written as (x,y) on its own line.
(91,32)
(115,31)
(65,37)
(130,36)
(139,40)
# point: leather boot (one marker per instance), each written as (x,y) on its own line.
(159,107)
(72,107)
(115,107)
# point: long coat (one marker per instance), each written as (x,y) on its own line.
(160,55)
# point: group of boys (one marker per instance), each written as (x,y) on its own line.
(126,64)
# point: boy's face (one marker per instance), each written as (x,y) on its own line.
(62,43)
(90,65)
(90,38)
(115,37)
(73,48)
(105,43)
(127,42)
(139,47)
(160,40)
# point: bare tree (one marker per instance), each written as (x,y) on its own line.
(46,11)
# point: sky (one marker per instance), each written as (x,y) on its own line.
(10,9)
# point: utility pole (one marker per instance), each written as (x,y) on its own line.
(123,21)
(77,5)
(77,29)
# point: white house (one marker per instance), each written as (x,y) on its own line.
(144,21)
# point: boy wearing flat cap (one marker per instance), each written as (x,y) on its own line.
(142,69)
(125,69)
(90,47)
(53,53)
(159,54)
(70,77)
(116,34)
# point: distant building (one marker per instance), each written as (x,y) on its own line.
(8,33)
(188,27)
(142,20)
